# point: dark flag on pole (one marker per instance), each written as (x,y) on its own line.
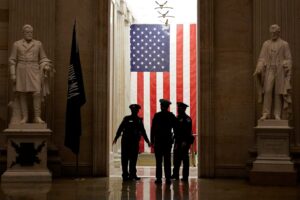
(75,98)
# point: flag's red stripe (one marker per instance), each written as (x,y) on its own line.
(166,87)
(154,190)
(179,62)
(138,194)
(193,77)
(153,100)
(140,101)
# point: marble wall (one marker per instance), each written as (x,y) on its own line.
(3,66)
(66,14)
(233,85)
(226,87)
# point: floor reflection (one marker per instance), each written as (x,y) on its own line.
(181,191)
(26,191)
(145,189)
(100,188)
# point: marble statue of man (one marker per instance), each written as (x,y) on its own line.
(273,74)
(29,66)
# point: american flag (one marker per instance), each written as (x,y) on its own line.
(163,65)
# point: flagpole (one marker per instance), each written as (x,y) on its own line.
(77,170)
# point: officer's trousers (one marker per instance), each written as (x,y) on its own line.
(129,155)
(163,154)
(181,154)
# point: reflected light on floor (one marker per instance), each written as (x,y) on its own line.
(114,189)
(100,188)
(147,189)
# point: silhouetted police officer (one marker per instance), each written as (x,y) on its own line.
(162,138)
(132,127)
(183,140)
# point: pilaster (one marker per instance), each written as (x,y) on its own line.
(205,84)
(100,121)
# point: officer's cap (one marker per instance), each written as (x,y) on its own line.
(135,106)
(182,105)
(164,102)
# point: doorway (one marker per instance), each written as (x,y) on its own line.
(128,85)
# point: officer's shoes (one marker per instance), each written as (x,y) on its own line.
(168,181)
(175,177)
(185,179)
(127,179)
(158,181)
(136,178)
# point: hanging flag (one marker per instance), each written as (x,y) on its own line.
(75,98)
(163,65)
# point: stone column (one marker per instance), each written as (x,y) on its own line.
(115,73)
(4,76)
(112,149)
(120,83)
(128,22)
(206,139)
(100,142)
(122,66)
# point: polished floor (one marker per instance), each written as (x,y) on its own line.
(149,172)
(113,188)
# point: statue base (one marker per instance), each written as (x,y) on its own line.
(27,153)
(273,165)
(34,191)
(27,126)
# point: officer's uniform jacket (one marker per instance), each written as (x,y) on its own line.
(161,131)
(132,128)
(183,131)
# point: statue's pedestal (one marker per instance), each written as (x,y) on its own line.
(32,191)
(27,153)
(273,165)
